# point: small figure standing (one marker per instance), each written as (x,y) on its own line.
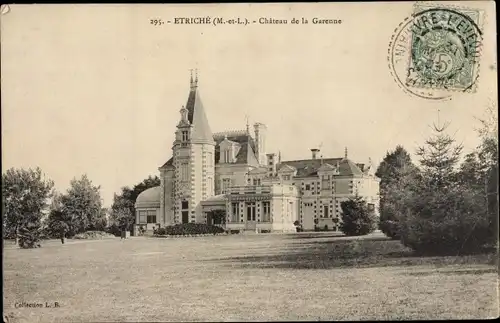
(63,231)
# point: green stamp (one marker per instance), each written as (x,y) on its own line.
(436,51)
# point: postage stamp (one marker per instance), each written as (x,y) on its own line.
(435,52)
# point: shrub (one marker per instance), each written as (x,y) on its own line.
(30,235)
(450,221)
(93,235)
(190,229)
(390,228)
(357,218)
(114,230)
(160,232)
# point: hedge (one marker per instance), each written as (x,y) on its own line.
(188,229)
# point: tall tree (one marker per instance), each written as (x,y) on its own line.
(25,196)
(390,168)
(123,208)
(479,171)
(394,172)
(442,215)
(57,220)
(82,206)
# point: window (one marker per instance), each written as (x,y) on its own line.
(250,211)
(325,182)
(325,211)
(210,185)
(185,136)
(256,181)
(185,205)
(143,216)
(308,187)
(184,172)
(185,217)
(371,207)
(151,216)
(235,212)
(210,160)
(227,156)
(226,183)
(286,177)
(266,211)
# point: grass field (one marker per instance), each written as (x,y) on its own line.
(268,277)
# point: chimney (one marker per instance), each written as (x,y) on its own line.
(315,152)
(260,141)
(271,164)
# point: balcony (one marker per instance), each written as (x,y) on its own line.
(249,189)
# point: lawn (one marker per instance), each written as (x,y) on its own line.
(267,277)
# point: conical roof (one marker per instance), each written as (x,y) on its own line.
(197,117)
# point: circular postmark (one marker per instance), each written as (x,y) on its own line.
(435,52)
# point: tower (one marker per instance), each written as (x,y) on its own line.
(193,159)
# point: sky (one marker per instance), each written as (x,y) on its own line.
(97,89)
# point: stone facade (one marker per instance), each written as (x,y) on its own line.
(232,171)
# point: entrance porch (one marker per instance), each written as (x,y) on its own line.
(214,210)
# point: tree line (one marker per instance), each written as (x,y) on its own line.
(33,209)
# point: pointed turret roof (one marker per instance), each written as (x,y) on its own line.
(196,115)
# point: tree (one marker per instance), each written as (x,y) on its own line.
(441,214)
(394,172)
(25,195)
(82,206)
(219,216)
(124,203)
(479,171)
(57,220)
(122,210)
(357,218)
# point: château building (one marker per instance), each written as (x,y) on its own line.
(232,173)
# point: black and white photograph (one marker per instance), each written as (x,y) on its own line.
(249,162)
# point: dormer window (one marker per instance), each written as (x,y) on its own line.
(326,182)
(185,136)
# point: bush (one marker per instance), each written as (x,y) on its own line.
(390,228)
(93,235)
(189,229)
(357,218)
(451,221)
(30,236)
(114,230)
(160,232)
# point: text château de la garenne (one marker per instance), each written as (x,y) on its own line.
(262,21)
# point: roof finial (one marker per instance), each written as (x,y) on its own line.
(191,79)
(279,157)
(196,77)
(248,124)
(345,153)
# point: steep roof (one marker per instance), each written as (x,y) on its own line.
(309,167)
(197,117)
(169,162)
(246,154)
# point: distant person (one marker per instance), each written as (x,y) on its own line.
(63,232)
